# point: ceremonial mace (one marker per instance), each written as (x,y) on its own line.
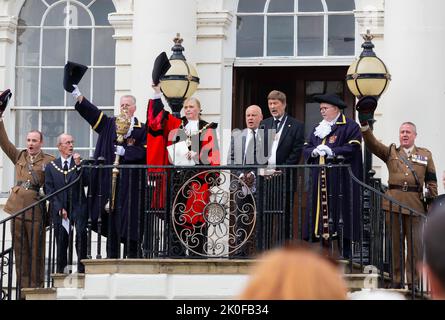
(123,123)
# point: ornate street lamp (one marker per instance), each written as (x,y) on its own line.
(181,80)
(368,78)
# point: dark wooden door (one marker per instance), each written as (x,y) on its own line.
(251,85)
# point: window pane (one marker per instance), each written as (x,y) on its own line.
(56,15)
(251,6)
(281,6)
(78,16)
(50,2)
(27,81)
(52,87)
(280,36)
(80,46)
(84,88)
(104,47)
(341,35)
(31,13)
(310,36)
(28,47)
(310,6)
(314,87)
(249,36)
(103,87)
(79,129)
(53,47)
(84,154)
(340,5)
(335,87)
(26,121)
(52,152)
(87,2)
(100,10)
(52,126)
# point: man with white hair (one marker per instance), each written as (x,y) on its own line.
(68,207)
(130,199)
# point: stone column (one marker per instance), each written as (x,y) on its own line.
(123,26)
(8,28)
(155,25)
(414,54)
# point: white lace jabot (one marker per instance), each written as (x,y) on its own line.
(324,127)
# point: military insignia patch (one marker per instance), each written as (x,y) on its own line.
(332,139)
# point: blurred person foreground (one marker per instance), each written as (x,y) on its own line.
(295,273)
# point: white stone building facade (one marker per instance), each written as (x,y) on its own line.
(241,50)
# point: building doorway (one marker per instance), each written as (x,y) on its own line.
(300,84)
(251,85)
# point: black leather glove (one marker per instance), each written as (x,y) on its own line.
(366,107)
(364,118)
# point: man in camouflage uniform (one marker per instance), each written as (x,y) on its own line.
(28,230)
(410,168)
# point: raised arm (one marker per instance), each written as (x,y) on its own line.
(376,147)
(11,151)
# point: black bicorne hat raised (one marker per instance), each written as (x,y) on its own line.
(331,99)
(160,67)
(367,104)
(4,99)
(73,73)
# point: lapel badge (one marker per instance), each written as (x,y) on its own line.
(332,139)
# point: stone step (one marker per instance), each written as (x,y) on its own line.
(386,294)
(168,266)
(345,266)
(73,280)
(39,293)
(361,280)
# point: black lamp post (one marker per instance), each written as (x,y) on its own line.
(181,80)
(368,78)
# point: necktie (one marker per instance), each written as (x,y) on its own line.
(250,156)
(276,125)
(65,169)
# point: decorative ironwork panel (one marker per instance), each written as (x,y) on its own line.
(213,213)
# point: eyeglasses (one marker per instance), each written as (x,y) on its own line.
(324,109)
(68,142)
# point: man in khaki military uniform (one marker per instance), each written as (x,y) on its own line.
(28,230)
(405,187)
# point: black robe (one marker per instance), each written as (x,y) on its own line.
(344,139)
(101,182)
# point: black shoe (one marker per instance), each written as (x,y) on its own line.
(416,288)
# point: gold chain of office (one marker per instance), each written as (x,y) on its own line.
(189,136)
(61,170)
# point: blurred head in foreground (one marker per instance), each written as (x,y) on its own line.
(295,273)
(434,239)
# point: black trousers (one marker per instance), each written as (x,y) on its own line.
(114,241)
(62,241)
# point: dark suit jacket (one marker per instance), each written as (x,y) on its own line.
(55,180)
(291,141)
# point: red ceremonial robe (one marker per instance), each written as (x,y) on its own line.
(163,130)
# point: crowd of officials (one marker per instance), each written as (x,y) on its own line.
(277,140)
